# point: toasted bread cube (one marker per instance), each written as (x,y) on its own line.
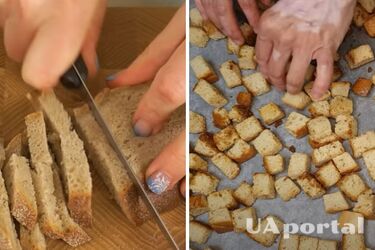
(362,143)
(353,241)
(244,99)
(226,165)
(220,220)
(297,101)
(360,15)
(241,151)
(362,86)
(326,153)
(198,232)
(266,237)
(286,188)
(197,163)
(211,30)
(221,199)
(198,205)
(359,56)
(271,113)
(296,124)
(370,26)
(335,202)
(352,186)
(198,37)
(225,138)
(240,216)
(337,73)
(203,183)
(369,159)
(290,243)
(340,89)
(231,74)
(368,5)
(353,218)
(328,175)
(238,113)
(327,245)
(273,164)
(308,243)
(202,69)
(210,94)
(263,187)
(197,123)
(311,186)
(366,205)
(345,163)
(196,18)
(308,88)
(317,143)
(319,127)
(220,118)
(267,143)
(232,47)
(256,84)
(205,145)
(246,59)
(320,108)
(346,126)
(244,194)
(248,33)
(299,164)
(249,128)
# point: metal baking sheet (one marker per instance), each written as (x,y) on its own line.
(302,209)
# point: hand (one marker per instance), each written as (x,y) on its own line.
(164,62)
(304,31)
(47,36)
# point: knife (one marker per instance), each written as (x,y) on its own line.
(75,78)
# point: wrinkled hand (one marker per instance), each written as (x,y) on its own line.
(163,61)
(301,31)
(47,36)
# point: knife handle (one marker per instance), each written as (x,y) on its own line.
(70,79)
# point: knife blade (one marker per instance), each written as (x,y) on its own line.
(78,80)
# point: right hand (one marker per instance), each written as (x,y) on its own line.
(47,36)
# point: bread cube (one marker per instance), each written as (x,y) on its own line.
(244,99)
(296,124)
(197,163)
(248,33)
(346,126)
(349,217)
(311,186)
(368,5)
(241,151)
(205,145)
(362,143)
(370,26)
(360,15)
(286,188)
(337,73)
(263,187)
(271,113)
(244,194)
(196,18)
(353,241)
(220,220)
(202,69)
(198,205)
(198,232)
(297,101)
(210,94)
(240,216)
(220,117)
(249,128)
(308,89)
(362,86)
(359,56)
(197,123)
(246,59)
(335,202)
(226,165)
(231,74)
(211,30)
(256,84)
(290,243)
(326,153)
(328,175)
(198,37)
(232,47)
(308,242)
(238,113)
(221,199)
(366,205)
(369,159)
(273,164)
(320,108)
(266,237)
(203,183)
(299,164)
(267,143)
(352,186)
(345,163)
(319,127)
(327,245)
(225,138)
(317,143)
(340,89)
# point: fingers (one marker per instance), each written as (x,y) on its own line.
(324,72)
(201,9)
(276,67)
(156,54)
(183,187)
(297,70)
(263,50)
(228,21)
(167,92)
(169,166)
(250,8)
(212,15)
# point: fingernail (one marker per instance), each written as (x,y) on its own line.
(111,77)
(142,128)
(158,182)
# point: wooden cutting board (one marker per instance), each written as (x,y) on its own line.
(126,32)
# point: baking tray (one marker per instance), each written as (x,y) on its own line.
(301,209)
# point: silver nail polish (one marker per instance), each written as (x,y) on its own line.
(158,182)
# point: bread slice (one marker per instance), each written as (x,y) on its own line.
(197,123)
(240,217)
(202,69)
(32,239)
(244,194)
(205,145)
(317,143)
(220,220)
(352,185)
(229,168)
(225,138)
(198,232)
(197,163)
(296,124)
(345,163)
(198,205)
(256,84)
(246,59)
(17,146)
(340,89)
(286,188)
(353,241)
(271,113)
(210,94)
(264,186)
(362,143)
(198,37)
(299,165)
(249,128)
(241,151)
(346,126)
(231,74)
(366,205)
(319,127)
(359,56)
(326,153)
(328,175)
(340,105)
(311,186)
(335,202)
(273,164)
(203,183)
(320,108)
(221,199)
(267,143)
(297,101)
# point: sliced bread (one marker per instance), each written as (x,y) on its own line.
(32,239)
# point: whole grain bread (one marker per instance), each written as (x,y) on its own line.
(32,239)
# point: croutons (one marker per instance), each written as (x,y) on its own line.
(246,59)
(226,165)
(263,187)
(197,123)
(240,216)
(311,186)
(362,86)
(220,220)
(244,99)
(244,194)
(256,84)
(202,69)
(328,175)
(335,202)
(286,188)
(317,143)
(368,5)
(232,47)
(369,159)
(359,56)
(296,124)
(345,163)
(349,217)
(220,118)
(290,243)
(326,153)
(353,241)
(225,138)
(198,37)
(271,113)
(366,205)
(346,126)
(205,145)
(210,94)
(196,18)
(327,245)
(198,232)
(273,164)
(340,105)
(319,127)
(231,74)
(267,143)
(320,108)
(221,199)
(248,33)
(297,101)
(340,89)
(203,183)
(337,73)
(198,205)
(352,186)
(308,242)
(308,88)
(241,151)
(362,143)
(360,15)
(238,113)
(266,237)
(211,30)
(370,26)
(249,128)
(197,163)
(299,164)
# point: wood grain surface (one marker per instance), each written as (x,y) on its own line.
(126,32)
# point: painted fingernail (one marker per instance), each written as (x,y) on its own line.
(111,77)
(142,128)
(158,182)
